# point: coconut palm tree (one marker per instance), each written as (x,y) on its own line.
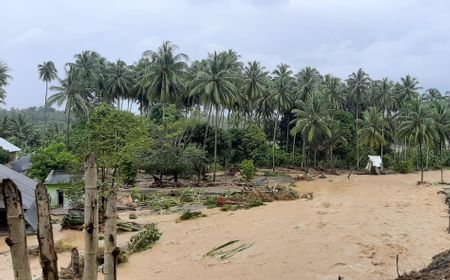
(307,82)
(214,84)
(333,90)
(371,132)
(417,125)
(358,84)
(311,121)
(73,93)
(409,89)
(384,100)
(4,77)
(118,81)
(163,79)
(255,81)
(441,116)
(282,90)
(47,73)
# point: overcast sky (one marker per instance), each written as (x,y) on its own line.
(385,37)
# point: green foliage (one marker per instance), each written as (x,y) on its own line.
(53,157)
(74,192)
(210,202)
(250,143)
(4,156)
(158,201)
(404,167)
(188,195)
(190,215)
(248,170)
(143,240)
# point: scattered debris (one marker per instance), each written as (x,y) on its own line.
(223,254)
(307,196)
(190,215)
(132,216)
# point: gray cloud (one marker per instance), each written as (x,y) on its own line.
(386,38)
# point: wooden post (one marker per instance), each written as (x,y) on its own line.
(16,239)
(111,250)
(47,253)
(75,264)
(90,218)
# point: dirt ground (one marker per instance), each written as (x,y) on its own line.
(352,228)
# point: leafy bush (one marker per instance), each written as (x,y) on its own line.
(159,202)
(248,169)
(250,143)
(404,167)
(128,171)
(388,161)
(188,194)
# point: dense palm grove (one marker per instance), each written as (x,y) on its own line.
(169,116)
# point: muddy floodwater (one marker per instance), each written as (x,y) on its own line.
(352,228)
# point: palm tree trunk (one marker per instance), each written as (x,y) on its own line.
(215,146)
(303,153)
(307,161)
(273,142)
(45,104)
(421,160)
(442,163)
(287,136)
(357,137)
(206,129)
(315,158)
(293,150)
(68,128)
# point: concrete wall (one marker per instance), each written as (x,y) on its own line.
(53,193)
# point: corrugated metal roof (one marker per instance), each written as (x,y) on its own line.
(8,146)
(22,164)
(25,185)
(58,177)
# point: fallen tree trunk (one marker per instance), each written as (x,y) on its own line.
(47,253)
(16,239)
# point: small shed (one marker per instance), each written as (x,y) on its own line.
(9,147)
(27,188)
(56,182)
(374,163)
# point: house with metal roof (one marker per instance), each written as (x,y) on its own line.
(27,188)
(9,147)
(56,182)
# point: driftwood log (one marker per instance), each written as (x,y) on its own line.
(47,252)
(90,218)
(16,239)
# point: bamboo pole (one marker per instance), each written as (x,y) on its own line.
(16,239)
(111,249)
(47,253)
(90,218)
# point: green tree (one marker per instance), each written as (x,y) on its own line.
(53,157)
(47,73)
(4,77)
(333,90)
(358,84)
(282,92)
(371,131)
(163,79)
(215,86)
(118,81)
(4,156)
(73,93)
(417,126)
(311,121)
(442,127)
